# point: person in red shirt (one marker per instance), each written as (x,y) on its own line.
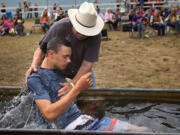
(45,21)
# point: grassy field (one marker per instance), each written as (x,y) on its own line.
(123,62)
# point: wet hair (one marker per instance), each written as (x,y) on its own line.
(55,44)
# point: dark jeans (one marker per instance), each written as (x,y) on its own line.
(45,26)
(160,28)
(139,26)
(29,15)
(177,26)
(36,14)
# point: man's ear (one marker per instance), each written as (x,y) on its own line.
(50,52)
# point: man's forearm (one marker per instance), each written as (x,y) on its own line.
(85,68)
(38,57)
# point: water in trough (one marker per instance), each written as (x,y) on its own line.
(159,117)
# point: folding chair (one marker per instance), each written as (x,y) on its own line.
(37,25)
(125,22)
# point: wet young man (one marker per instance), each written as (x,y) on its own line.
(51,110)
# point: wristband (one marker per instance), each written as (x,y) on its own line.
(72,84)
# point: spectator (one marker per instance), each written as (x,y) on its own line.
(118,3)
(36,10)
(151,10)
(117,16)
(147,16)
(137,22)
(142,4)
(19,14)
(100,14)
(134,10)
(25,5)
(173,20)
(127,4)
(2,28)
(58,15)
(45,21)
(157,23)
(19,11)
(54,7)
(3,17)
(167,12)
(10,26)
(163,13)
(110,19)
(19,28)
(178,10)
(3,10)
(29,10)
(15,20)
(48,13)
(130,14)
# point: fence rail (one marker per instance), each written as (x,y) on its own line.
(102,6)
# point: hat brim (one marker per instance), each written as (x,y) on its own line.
(82,29)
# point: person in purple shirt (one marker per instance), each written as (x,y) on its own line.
(137,22)
(100,14)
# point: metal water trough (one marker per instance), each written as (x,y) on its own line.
(74,132)
(130,94)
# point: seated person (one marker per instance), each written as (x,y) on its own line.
(2,28)
(130,14)
(173,20)
(157,23)
(3,17)
(10,26)
(58,15)
(147,16)
(45,21)
(16,18)
(117,16)
(48,13)
(53,110)
(137,22)
(110,19)
(19,28)
(100,14)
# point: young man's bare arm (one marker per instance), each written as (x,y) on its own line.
(37,60)
(85,68)
(53,110)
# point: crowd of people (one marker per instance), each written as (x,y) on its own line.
(156,18)
(13,25)
(140,17)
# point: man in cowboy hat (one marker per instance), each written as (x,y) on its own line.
(19,28)
(82,29)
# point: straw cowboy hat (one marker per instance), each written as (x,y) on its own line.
(122,10)
(85,20)
(19,21)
